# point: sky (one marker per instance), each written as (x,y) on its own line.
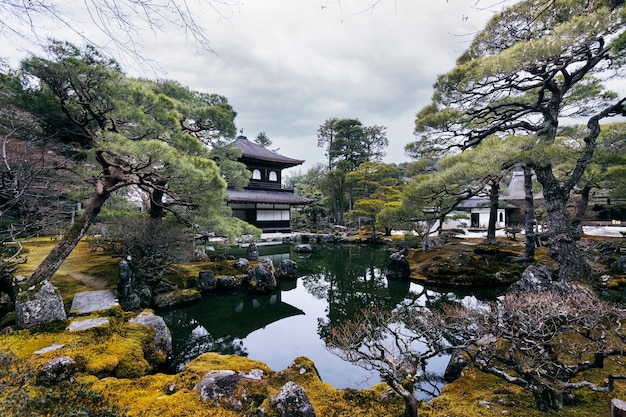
(286,66)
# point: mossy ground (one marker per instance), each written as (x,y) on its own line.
(117,361)
(471,263)
(84,270)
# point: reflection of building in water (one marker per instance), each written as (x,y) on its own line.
(220,321)
(275,252)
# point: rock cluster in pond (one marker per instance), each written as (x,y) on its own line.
(261,278)
(303,248)
(287,269)
(398,267)
(207,281)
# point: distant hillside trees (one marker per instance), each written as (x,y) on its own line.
(348,144)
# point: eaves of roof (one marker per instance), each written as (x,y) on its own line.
(262,196)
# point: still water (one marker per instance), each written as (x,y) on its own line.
(335,283)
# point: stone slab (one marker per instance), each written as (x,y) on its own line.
(48,349)
(89,301)
(78,325)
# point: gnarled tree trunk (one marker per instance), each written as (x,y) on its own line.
(494,196)
(70,239)
(529,215)
(562,236)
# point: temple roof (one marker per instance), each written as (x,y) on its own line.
(262,196)
(251,150)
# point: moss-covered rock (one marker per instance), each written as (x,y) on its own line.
(177,298)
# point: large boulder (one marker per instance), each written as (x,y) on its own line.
(206,281)
(252,253)
(398,267)
(620,264)
(287,269)
(58,370)
(41,303)
(292,401)
(162,336)
(176,298)
(242,264)
(262,278)
(534,279)
(303,248)
(537,279)
(225,388)
(228,282)
(129,285)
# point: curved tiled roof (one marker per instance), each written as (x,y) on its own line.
(262,196)
(251,150)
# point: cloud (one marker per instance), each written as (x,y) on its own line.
(288,65)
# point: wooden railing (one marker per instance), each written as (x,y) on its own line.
(260,185)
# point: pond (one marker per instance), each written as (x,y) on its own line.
(335,283)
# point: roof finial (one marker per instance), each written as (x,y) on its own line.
(241,135)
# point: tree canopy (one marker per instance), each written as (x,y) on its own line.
(535,65)
(157,138)
(348,144)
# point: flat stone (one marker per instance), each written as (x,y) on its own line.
(78,325)
(89,301)
(48,349)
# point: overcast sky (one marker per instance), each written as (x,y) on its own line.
(288,65)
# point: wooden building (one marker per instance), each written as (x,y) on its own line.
(265,202)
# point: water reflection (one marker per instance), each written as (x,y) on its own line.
(336,283)
(222,322)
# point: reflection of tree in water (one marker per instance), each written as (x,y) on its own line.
(351,278)
(201,341)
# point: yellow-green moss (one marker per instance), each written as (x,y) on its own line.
(120,349)
(212,361)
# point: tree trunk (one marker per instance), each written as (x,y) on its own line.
(334,200)
(411,406)
(410,401)
(68,242)
(581,209)
(373,229)
(341,200)
(561,236)
(529,215)
(156,203)
(494,195)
